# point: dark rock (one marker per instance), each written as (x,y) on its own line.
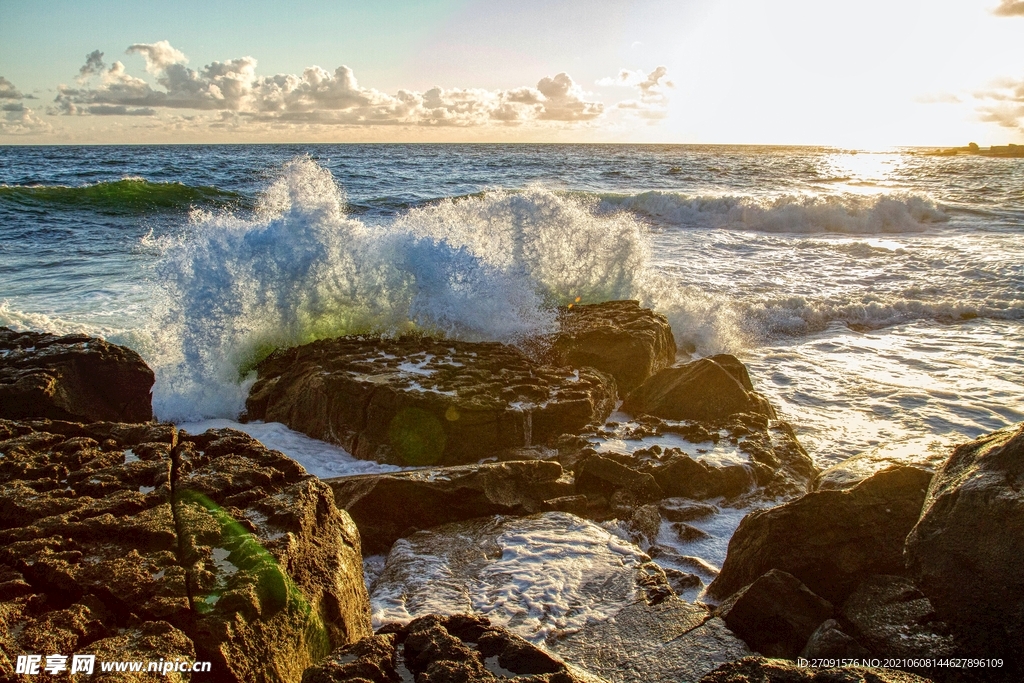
(387,507)
(966,550)
(373,658)
(619,338)
(576,505)
(683,476)
(708,389)
(685,510)
(830,642)
(74,377)
(761,670)
(644,525)
(776,614)
(601,475)
(422,401)
(830,540)
(683,582)
(892,618)
(142,539)
(459,648)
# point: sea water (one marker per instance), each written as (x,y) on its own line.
(876,297)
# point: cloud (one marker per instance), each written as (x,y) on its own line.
(8,91)
(651,89)
(159,55)
(1010,8)
(93,66)
(1002,104)
(17,119)
(316,96)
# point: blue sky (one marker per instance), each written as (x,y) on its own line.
(793,71)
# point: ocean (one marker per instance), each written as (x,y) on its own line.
(877,298)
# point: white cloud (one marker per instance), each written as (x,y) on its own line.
(1003,104)
(652,102)
(17,119)
(1010,8)
(159,55)
(317,96)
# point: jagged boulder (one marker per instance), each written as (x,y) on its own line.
(892,618)
(685,477)
(708,389)
(830,540)
(619,338)
(387,507)
(74,377)
(156,541)
(423,401)
(966,550)
(776,614)
(436,649)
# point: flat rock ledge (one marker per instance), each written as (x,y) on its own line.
(137,541)
(423,401)
(74,377)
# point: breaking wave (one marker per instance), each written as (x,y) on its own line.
(851,214)
(125,196)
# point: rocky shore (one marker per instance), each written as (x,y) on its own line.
(128,539)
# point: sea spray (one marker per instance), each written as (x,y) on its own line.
(299,269)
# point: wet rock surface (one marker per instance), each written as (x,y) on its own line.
(713,388)
(137,538)
(619,338)
(387,507)
(672,641)
(965,552)
(421,401)
(762,670)
(72,377)
(442,649)
(829,540)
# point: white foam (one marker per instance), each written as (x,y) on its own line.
(320,459)
(538,575)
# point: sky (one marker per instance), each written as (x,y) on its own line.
(867,75)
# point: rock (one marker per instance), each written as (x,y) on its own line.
(966,550)
(761,670)
(387,507)
(373,658)
(669,642)
(776,614)
(437,648)
(829,642)
(683,582)
(685,510)
(892,618)
(602,477)
(921,453)
(423,401)
(619,338)
(137,538)
(683,476)
(830,540)
(708,389)
(74,377)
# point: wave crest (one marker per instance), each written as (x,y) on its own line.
(851,214)
(125,196)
